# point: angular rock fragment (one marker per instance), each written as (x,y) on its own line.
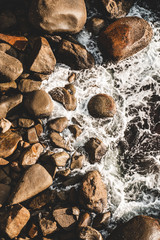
(58,141)
(60,159)
(76,130)
(6,48)
(77,161)
(101,220)
(18,42)
(25,122)
(32,135)
(58,124)
(4,125)
(47,226)
(7,86)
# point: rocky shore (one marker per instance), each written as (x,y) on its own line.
(35,35)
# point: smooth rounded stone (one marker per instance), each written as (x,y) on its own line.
(42,59)
(28,85)
(84,220)
(10,68)
(58,124)
(96,150)
(7,86)
(88,233)
(96,25)
(25,122)
(14,220)
(47,226)
(39,103)
(75,130)
(32,135)
(60,159)
(7,20)
(4,193)
(3,162)
(58,15)
(18,42)
(8,143)
(101,220)
(77,161)
(35,180)
(101,106)
(6,48)
(140,228)
(93,193)
(31,155)
(58,141)
(125,37)
(5,125)
(75,55)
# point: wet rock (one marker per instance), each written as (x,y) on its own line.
(41,77)
(64,173)
(88,233)
(75,55)
(58,16)
(72,78)
(101,106)
(95,25)
(77,161)
(33,231)
(96,150)
(93,193)
(35,180)
(7,86)
(3,162)
(39,103)
(18,42)
(31,155)
(47,226)
(39,129)
(101,220)
(5,125)
(65,218)
(60,159)
(8,143)
(4,193)
(14,220)
(42,58)
(32,135)
(7,20)
(85,220)
(76,130)
(6,48)
(125,37)
(58,124)
(10,68)
(25,122)
(140,227)
(28,85)
(58,141)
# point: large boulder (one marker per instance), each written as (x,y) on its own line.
(138,228)
(125,37)
(58,15)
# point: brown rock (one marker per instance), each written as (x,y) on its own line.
(58,15)
(8,143)
(42,58)
(7,20)
(87,233)
(64,173)
(85,220)
(60,159)
(7,86)
(4,193)
(5,125)
(72,78)
(125,37)
(139,227)
(77,161)
(101,106)
(17,42)
(58,124)
(39,129)
(95,25)
(28,85)
(35,180)
(39,103)
(101,220)
(6,48)
(33,232)
(47,226)
(93,193)
(25,122)
(96,150)
(41,77)
(32,135)
(58,141)
(76,130)
(3,162)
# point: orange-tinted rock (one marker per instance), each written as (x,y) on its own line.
(18,42)
(3,162)
(6,48)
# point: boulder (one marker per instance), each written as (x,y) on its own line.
(47,226)
(5,125)
(60,159)
(6,48)
(4,193)
(28,85)
(93,193)
(87,233)
(58,141)
(18,42)
(39,103)
(139,227)
(58,124)
(58,15)
(101,106)
(125,37)
(35,180)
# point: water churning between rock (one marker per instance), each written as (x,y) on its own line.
(131,166)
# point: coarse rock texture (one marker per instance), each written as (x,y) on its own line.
(93,193)
(5,125)
(14,220)
(58,124)
(88,233)
(101,106)
(58,141)
(140,228)
(35,180)
(47,226)
(76,130)
(58,15)
(10,68)
(39,103)
(28,85)
(125,37)
(32,135)
(4,193)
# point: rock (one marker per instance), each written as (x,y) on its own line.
(140,227)
(60,159)
(14,220)
(35,180)
(31,155)
(72,78)
(39,129)
(10,68)
(5,125)
(96,150)
(39,103)
(7,20)
(93,193)
(18,42)
(117,8)
(58,15)
(4,193)
(58,124)
(41,77)
(101,106)
(42,59)
(88,233)
(32,136)
(6,48)
(4,175)
(58,141)
(7,86)
(28,85)
(25,122)
(3,162)
(77,161)
(75,55)
(64,173)
(47,226)
(76,130)
(8,143)
(8,103)
(65,218)
(125,37)
(96,25)
(101,220)
(85,220)
(33,232)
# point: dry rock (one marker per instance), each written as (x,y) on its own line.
(25,122)
(18,42)
(32,135)
(6,48)
(87,233)
(60,159)
(5,125)
(58,124)
(58,141)
(47,226)
(76,130)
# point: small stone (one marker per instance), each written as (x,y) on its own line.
(7,86)
(72,78)
(28,85)
(60,159)
(4,193)
(76,212)
(85,220)
(25,122)
(58,141)
(58,124)
(33,232)
(101,220)
(77,161)
(5,125)
(76,130)
(47,226)
(87,233)
(95,25)
(32,135)
(64,173)
(39,129)
(3,162)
